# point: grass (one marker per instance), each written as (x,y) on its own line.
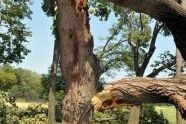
(168,111)
(23,104)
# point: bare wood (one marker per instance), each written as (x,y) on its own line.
(135,91)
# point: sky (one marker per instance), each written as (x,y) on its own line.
(42,41)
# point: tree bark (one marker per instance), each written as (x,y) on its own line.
(78,63)
(170,12)
(51,101)
(134,91)
(179,74)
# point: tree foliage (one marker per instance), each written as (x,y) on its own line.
(120,115)
(130,36)
(13,31)
(22,83)
(150,116)
(28,84)
(7,77)
(164,63)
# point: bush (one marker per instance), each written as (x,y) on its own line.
(113,116)
(120,116)
(11,114)
(150,116)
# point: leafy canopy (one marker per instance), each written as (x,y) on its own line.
(13,32)
(7,77)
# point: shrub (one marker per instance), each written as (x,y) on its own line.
(120,116)
(150,116)
(11,114)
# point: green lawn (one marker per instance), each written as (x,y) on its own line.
(168,111)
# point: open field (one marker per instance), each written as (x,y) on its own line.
(23,104)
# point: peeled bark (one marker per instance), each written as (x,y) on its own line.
(78,63)
(170,12)
(134,91)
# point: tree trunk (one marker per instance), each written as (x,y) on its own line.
(134,91)
(51,101)
(179,74)
(134,115)
(170,12)
(78,63)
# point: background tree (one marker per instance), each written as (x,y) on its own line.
(50,7)
(27,86)
(7,77)
(171,13)
(59,91)
(51,104)
(13,33)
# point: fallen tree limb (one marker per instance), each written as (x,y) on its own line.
(142,90)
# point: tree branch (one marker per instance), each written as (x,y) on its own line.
(107,42)
(152,48)
(155,72)
(158,9)
(104,51)
(142,90)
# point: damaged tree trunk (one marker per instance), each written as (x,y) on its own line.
(78,63)
(143,90)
